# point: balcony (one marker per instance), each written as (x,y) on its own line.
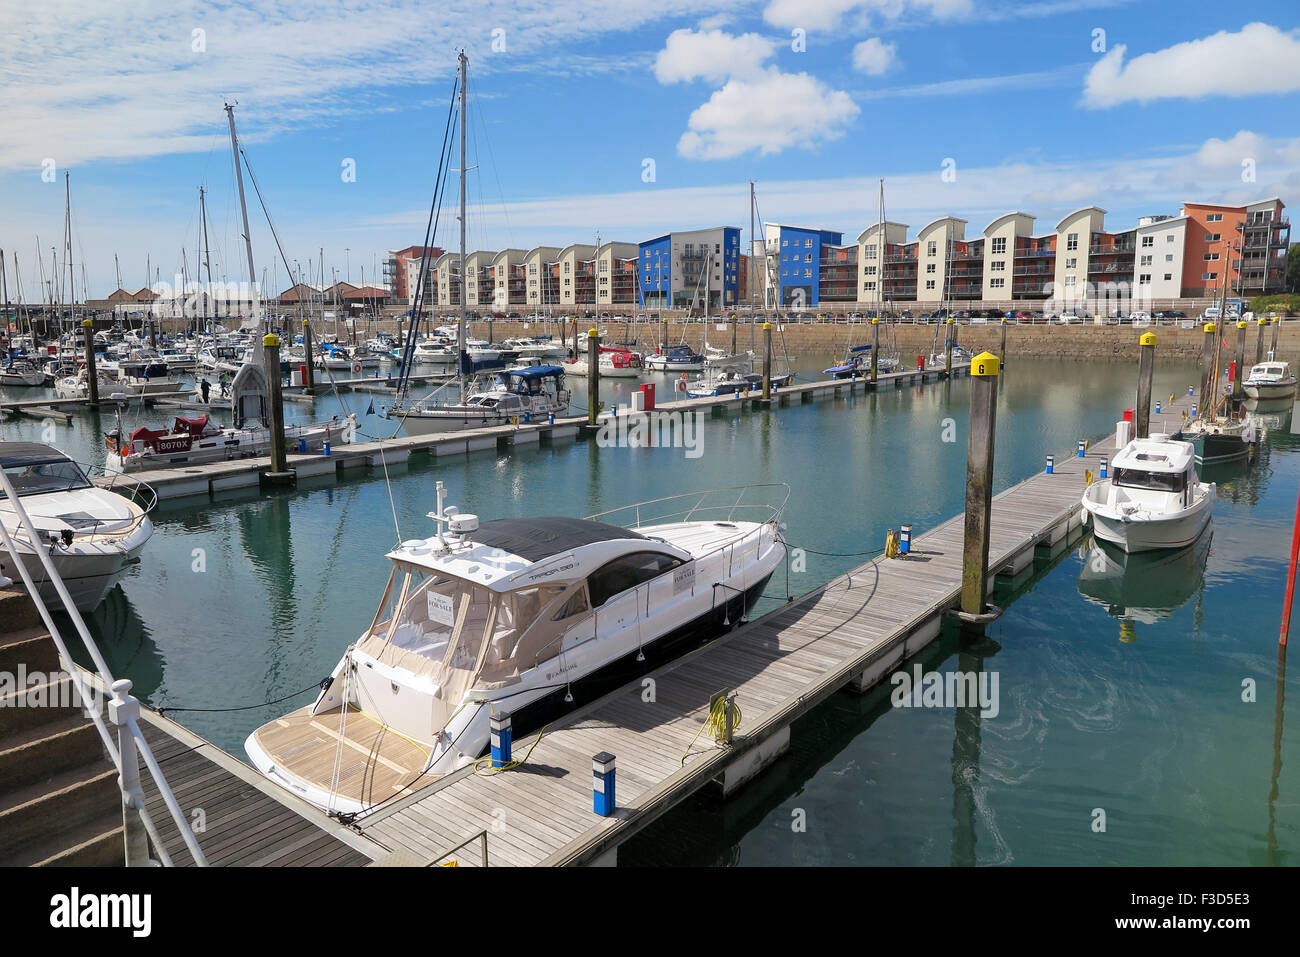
(1032,253)
(1034,270)
(1113,250)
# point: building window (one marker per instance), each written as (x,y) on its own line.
(1146,261)
(1071,263)
(1071,242)
(1209,275)
(785,242)
(997,283)
(807,274)
(1212,237)
(929,284)
(807,257)
(868,270)
(1069,280)
(1211,257)
(807,244)
(931,248)
(869,286)
(1148,241)
(1144,278)
(869,252)
(1169,238)
(929,268)
(1214,218)
(999,246)
(1169,257)
(1168,276)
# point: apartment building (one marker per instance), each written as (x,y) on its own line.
(1240,247)
(397,269)
(684,270)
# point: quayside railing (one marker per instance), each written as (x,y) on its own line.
(126,744)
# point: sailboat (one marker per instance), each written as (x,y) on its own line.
(517,393)
(1220,439)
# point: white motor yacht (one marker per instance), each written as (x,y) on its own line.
(94,535)
(1270,381)
(1153,497)
(515,615)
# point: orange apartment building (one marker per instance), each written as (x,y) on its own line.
(1244,246)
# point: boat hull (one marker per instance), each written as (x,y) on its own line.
(1151,534)
(1270,391)
(535,708)
(88,571)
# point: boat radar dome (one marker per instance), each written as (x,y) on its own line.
(462,524)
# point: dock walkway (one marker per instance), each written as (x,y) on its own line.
(215,477)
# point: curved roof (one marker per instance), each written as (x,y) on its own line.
(1005,216)
(863,235)
(1082,209)
(577,246)
(941,219)
(537,538)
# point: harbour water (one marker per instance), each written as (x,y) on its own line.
(1115,696)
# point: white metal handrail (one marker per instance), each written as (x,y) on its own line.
(123,709)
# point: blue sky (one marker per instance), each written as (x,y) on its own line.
(1033,107)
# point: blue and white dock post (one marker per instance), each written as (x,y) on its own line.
(904,539)
(1101,469)
(1051,464)
(1082,447)
(602,783)
(502,738)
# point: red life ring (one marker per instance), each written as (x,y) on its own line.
(356,367)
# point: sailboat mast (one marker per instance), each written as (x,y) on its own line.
(460,326)
(207,257)
(67,241)
(243,210)
(880,286)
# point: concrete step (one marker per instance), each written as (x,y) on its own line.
(38,813)
(38,753)
(31,648)
(17,610)
(38,704)
(96,843)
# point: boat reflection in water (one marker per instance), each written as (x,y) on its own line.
(1143,587)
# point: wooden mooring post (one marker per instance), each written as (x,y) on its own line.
(979,492)
(92,378)
(875,347)
(1146,368)
(593,376)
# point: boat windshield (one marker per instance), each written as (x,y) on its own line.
(1156,481)
(38,478)
(443,626)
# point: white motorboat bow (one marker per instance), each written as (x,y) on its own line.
(513,615)
(94,535)
(1153,497)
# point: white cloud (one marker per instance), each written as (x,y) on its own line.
(1258,59)
(770,113)
(712,55)
(875,57)
(966,86)
(827,14)
(97,79)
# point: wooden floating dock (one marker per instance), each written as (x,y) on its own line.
(19,406)
(214,477)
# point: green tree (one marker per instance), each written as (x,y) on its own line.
(1293,268)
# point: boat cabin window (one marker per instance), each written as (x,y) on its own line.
(1156,481)
(626,572)
(37,478)
(576,605)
